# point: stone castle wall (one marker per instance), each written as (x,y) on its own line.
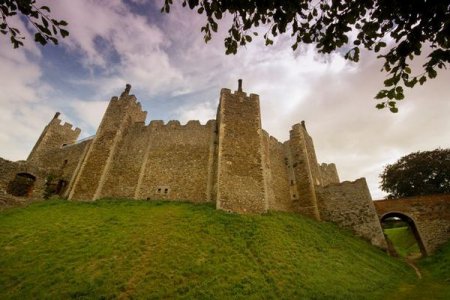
(278,175)
(9,170)
(230,161)
(350,205)
(178,162)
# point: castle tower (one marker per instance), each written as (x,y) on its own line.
(53,137)
(240,175)
(305,170)
(119,116)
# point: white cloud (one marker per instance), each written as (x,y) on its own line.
(202,112)
(23,111)
(91,113)
(136,45)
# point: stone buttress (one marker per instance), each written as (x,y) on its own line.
(121,113)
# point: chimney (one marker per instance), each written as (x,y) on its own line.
(239,85)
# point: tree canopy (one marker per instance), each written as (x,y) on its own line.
(418,173)
(46,29)
(395,29)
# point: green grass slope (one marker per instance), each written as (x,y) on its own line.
(435,282)
(133,249)
(403,240)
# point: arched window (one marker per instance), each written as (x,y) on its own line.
(402,235)
(22,185)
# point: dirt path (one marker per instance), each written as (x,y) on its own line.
(412,264)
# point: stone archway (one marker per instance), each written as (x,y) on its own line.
(388,221)
(22,185)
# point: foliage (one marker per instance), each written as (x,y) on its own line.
(50,186)
(418,173)
(153,250)
(349,26)
(46,28)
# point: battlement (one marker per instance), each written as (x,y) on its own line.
(270,138)
(346,183)
(299,127)
(176,125)
(240,94)
(126,98)
(56,123)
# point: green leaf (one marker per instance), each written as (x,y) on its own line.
(432,73)
(381,94)
(399,96)
(389,82)
(64,33)
(45,8)
(391,94)
(62,23)
(407,70)
(394,110)
(269,42)
(40,39)
(422,80)
(380,105)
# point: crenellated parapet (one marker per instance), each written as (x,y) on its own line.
(176,125)
(328,173)
(54,136)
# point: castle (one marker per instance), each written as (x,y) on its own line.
(230,161)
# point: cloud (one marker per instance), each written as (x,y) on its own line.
(91,114)
(118,43)
(202,112)
(23,110)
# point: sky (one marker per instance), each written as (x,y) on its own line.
(176,76)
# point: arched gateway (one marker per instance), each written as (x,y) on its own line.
(427,216)
(393,222)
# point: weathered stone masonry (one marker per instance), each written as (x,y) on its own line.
(230,161)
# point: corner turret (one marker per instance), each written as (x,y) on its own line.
(54,136)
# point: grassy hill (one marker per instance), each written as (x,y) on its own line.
(109,249)
(403,240)
(435,282)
